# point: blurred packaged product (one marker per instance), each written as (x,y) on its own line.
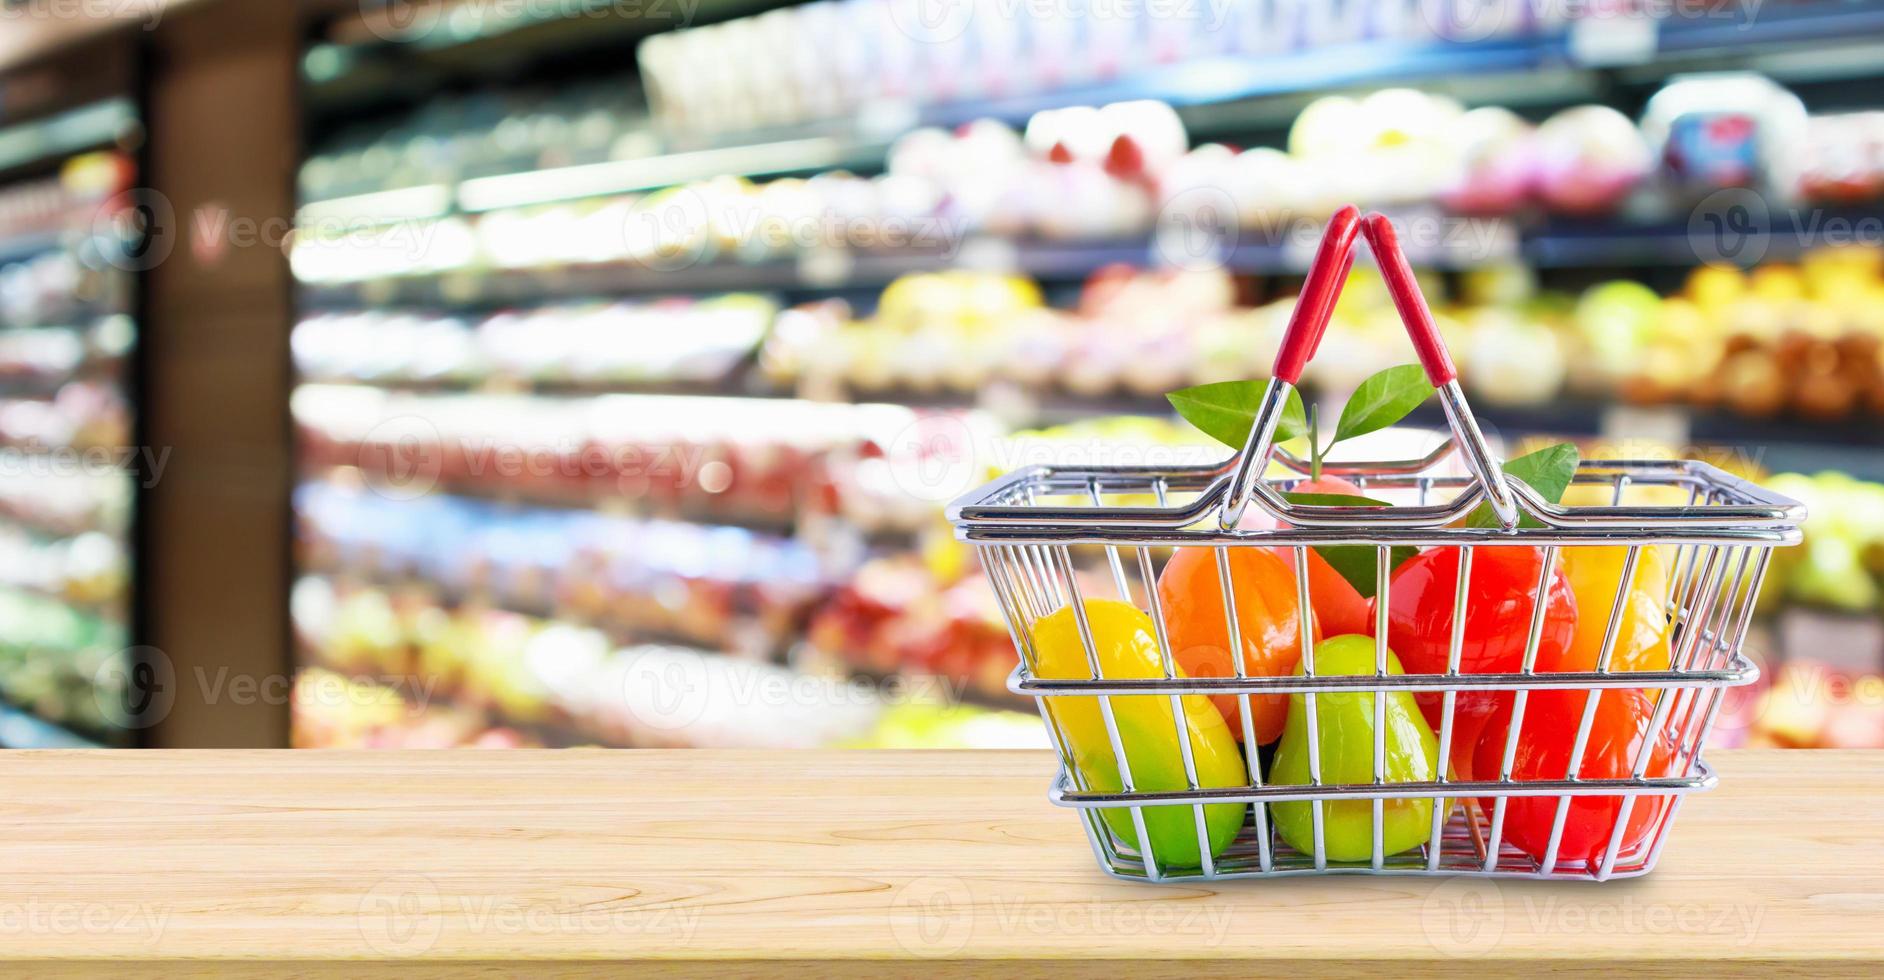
(1727,130)
(728,77)
(597,344)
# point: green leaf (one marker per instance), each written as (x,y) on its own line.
(1548,471)
(1224,411)
(1382,400)
(1356,563)
(1333,500)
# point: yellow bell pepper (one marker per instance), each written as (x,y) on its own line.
(1642,635)
(1127,648)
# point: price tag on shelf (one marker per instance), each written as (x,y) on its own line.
(825,267)
(1664,425)
(1614,39)
(987,253)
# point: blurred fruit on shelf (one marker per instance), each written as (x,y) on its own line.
(1841,565)
(1499,162)
(64,502)
(737,460)
(53,659)
(897,617)
(596,344)
(722,587)
(919,724)
(1812,705)
(566,681)
(334,711)
(89,569)
(80,416)
(1589,159)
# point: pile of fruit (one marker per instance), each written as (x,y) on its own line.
(1272,634)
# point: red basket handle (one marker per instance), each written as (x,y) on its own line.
(1334,258)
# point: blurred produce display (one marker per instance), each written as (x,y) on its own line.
(605,378)
(411,670)
(764,461)
(66,437)
(595,344)
(726,588)
(53,657)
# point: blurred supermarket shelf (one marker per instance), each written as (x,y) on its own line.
(97,126)
(1658,47)
(24,730)
(1559,243)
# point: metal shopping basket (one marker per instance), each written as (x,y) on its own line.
(1036,527)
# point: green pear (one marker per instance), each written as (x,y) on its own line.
(1346,725)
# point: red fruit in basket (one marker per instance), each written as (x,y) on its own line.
(1339,608)
(1268,623)
(1498,605)
(1618,732)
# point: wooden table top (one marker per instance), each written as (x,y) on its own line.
(830,863)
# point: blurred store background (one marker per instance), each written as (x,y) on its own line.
(464,373)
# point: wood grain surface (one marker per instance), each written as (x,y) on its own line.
(829,864)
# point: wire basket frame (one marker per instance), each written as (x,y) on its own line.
(1034,530)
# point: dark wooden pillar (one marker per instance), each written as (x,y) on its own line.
(224,143)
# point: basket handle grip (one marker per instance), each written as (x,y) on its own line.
(1328,272)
